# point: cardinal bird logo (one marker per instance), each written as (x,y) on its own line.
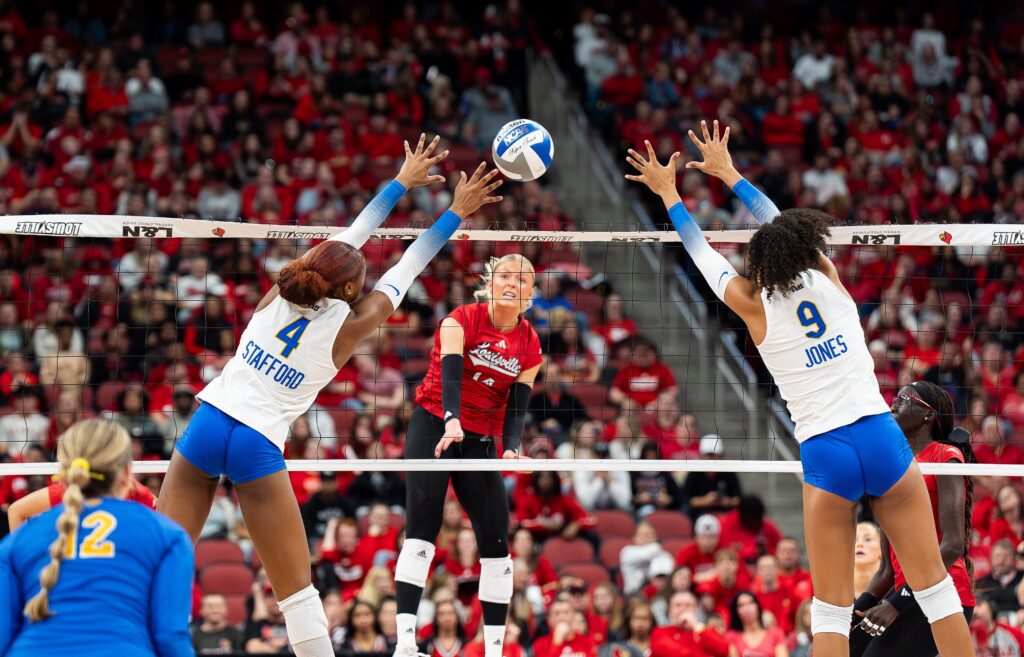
(218,232)
(463,236)
(946,237)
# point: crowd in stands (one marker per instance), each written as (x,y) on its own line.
(296,116)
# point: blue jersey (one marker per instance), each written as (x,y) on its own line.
(124,589)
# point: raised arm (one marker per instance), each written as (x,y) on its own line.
(718,163)
(372,310)
(414,172)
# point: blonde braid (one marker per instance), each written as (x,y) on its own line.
(76,478)
(92,453)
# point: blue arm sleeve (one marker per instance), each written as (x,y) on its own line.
(760,206)
(170,599)
(11,617)
(396,281)
(372,216)
(716,269)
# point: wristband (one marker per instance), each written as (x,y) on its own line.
(451,386)
(515,416)
(865,601)
(901,598)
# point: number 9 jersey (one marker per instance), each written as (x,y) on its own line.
(814,348)
(284,358)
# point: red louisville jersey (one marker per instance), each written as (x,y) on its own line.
(137,493)
(493,361)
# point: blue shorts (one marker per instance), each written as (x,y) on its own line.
(218,444)
(866,456)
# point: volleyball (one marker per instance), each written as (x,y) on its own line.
(523,150)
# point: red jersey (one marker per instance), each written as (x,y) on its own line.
(476,649)
(672,641)
(698,562)
(137,493)
(939,453)
(577,646)
(644,384)
(350,569)
(493,362)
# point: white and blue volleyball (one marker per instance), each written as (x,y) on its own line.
(523,150)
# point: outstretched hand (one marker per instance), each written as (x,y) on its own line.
(415,170)
(472,193)
(717,161)
(659,178)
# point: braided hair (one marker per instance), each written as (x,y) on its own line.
(942,432)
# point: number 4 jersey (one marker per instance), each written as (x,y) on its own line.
(492,362)
(285,357)
(814,348)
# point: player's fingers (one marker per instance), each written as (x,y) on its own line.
(651,157)
(725,136)
(408,152)
(436,179)
(419,146)
(493,186)
(695,165)
(636,165)
(704,130)
(716,130)
(432,145)
(672,160)
(479,170)
(487,200)
(634,178)
(696,140)
(486,179)
(437,158)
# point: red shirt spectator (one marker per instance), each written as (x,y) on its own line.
(565,639)
(746,530)
(350,557)
(729,579)
(685,636)
(699,556)
(644,379)
(549,512)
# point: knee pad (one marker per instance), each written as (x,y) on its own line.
(304,615)
(939,601)
(414,562)
(496,580)
(830,618)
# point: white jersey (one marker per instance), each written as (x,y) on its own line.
(285,357)
(815,350)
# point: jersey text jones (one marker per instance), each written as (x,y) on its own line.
(825,351)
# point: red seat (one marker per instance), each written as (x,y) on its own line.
(226,578)
(343,418)
(612,522)
(215,550)
(590,572)
(602,413)
(671,524)
(560,551)
(673,545)
(611,547)
(238,609)
(590,394)
(107,394)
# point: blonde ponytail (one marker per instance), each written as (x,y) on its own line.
(92,453)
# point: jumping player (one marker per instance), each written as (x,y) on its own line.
(476,392)
(303,331)
(96,550)
(808,332)
(895,626)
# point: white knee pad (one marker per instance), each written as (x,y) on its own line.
(939,601)
(304,615)
(414,562)
(496,580)
(830,618)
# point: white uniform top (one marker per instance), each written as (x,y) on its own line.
(815,350)
(285,357)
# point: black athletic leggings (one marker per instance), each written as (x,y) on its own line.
(481,494)
(910,635)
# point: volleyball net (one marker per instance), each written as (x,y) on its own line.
(129,317)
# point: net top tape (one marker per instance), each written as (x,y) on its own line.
(547,465)
(116,226)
